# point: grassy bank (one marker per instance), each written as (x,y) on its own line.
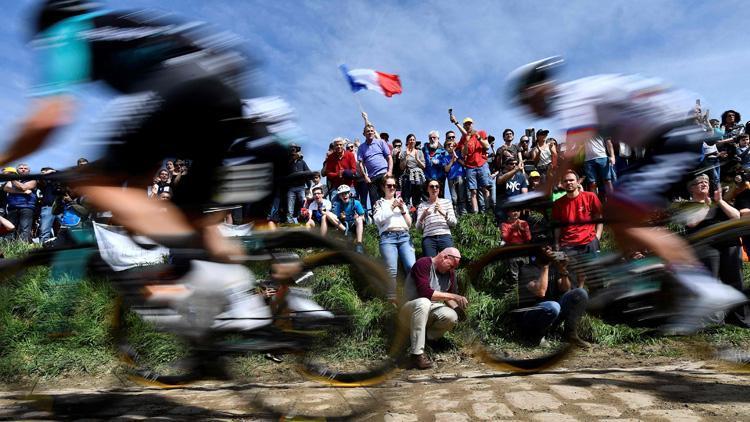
(51,328)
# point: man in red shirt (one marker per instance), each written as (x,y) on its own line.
(340,167)
(577,206)
(473,146)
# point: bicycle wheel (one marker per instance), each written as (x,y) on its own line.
(362,340)
(499,315)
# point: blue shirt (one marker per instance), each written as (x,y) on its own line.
(434,165)
(350,210)
(456,170)
(375,157)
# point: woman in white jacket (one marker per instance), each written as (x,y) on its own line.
(393,221)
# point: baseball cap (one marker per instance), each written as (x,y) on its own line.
(343,189)
(10,170)
(535,174)
(542,132)
(468,120)
(294,146)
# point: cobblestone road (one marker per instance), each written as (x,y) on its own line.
(686,391)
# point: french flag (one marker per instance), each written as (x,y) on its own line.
(384,83)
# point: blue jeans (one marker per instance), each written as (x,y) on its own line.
(457,188)
(395,246)
(570,309)
(22,218)
(46,220)
(294,196)
(432,245)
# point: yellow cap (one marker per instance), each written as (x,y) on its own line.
(468,120)
(535,174)
(10,170)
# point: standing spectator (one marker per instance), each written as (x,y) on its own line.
(508,149)
(393,221)
(510,183)
(22,203)
(4,195)
(387,139)
(743,152)
(314,183)
(454,167)
(436,217)
(375,160)
(412,163)
(544,154)
(295,192)
(396,155)
(433,304)
(599,165)
(494,166)
(434,156)
(730,123)
(350,212)
(50,191)
(340,166)
(472,146)
(535,181)
(572,209)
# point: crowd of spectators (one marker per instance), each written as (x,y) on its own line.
(427,186)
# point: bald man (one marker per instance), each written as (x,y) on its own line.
(433,305)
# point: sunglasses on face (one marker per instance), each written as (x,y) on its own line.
(434,186)
(451,137)
(390,185)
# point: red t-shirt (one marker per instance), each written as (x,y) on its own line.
(334,164)
(584,207)
(476,155)
(516,234)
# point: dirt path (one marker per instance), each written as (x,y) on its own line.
(681,390)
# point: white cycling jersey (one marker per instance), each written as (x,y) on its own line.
(630,109)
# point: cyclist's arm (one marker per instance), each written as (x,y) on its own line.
(47,114)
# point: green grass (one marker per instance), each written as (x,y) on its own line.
(50,328)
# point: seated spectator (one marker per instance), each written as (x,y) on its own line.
(22,203)
(71,209)
(454,168)
(722,259)
(314,183)
(435,219)
(393,221)
(515,232)
(161,184)
(433,304)
(352,214)
(320,213)
(412,164)
(548,304)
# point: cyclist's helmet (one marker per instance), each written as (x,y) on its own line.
(531,74)
(51,12)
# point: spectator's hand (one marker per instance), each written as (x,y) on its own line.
(364,116)
(367,179)
(461,301)
(717,194)
(27,191)
(612,160)
(453,119)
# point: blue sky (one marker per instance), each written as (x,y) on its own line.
(448,55)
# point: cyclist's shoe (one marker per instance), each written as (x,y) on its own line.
(527,200)
(704,297)
(301,304)
(220,298)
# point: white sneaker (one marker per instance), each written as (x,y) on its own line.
(221,298)
(302,305)
(705,297)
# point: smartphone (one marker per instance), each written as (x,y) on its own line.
(450,111)
(398,194)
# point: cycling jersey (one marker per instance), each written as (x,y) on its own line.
(629,109)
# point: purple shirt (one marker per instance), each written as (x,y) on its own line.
(375,157)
